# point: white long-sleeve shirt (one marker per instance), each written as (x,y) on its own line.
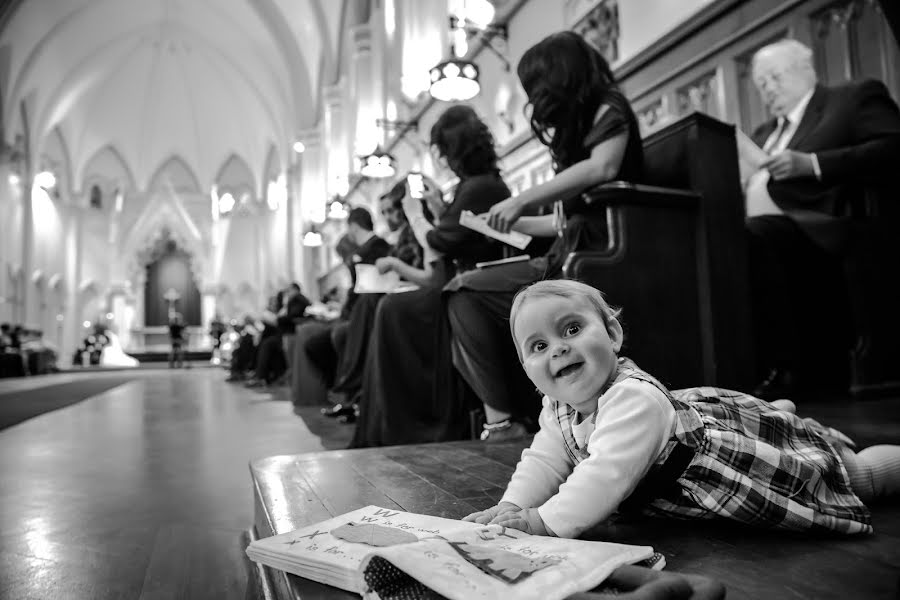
(634,423)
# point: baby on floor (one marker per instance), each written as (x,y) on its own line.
(613,438)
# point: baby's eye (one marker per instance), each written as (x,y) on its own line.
(538,346)
(573,328)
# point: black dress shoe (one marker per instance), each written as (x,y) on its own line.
(779,383)
(338,410)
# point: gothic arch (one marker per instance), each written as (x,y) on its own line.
(108,167)
(174,174)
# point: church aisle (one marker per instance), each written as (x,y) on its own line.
(139,492)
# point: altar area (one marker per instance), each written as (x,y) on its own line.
(155,339)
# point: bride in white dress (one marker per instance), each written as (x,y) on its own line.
(112,354)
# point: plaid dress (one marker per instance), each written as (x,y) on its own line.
(748,462)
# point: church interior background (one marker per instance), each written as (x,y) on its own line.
(218,143)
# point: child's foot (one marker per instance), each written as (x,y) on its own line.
(503,431)
(785,405)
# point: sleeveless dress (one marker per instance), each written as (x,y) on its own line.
(484,364)
(737,457)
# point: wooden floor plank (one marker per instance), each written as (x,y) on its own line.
(409,490)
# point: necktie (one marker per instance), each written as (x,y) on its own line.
(775,139)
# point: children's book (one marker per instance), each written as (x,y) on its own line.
(479,224)
(381,553)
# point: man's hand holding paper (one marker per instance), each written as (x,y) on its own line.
(790,164)
(751,157)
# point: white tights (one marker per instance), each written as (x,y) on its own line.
(874,471)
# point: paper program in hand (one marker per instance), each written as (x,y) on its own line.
(750,156)
(479,224)
(370,281)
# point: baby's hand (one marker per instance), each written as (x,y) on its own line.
(527,520)
(485,516)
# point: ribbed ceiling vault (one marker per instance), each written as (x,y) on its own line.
(152,80)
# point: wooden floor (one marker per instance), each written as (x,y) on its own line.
(143,491)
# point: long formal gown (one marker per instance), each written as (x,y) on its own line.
(408,340)
(478,302)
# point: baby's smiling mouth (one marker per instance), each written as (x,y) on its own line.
(568,369)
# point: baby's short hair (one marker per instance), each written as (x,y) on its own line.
(564,288)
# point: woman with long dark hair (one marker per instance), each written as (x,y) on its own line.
(410,336)
(578,112)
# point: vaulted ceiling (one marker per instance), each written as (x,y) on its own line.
(148,80)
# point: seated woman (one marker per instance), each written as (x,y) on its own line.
(592,134)
(406,340)
(406,259)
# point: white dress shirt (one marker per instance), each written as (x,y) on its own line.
(758,200)
(634,423)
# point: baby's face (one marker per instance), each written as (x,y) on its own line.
(566,349)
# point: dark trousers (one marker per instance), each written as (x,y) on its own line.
(484,353)
(801,313)
(321,352)
(243,357)
(356,340)
(270,361)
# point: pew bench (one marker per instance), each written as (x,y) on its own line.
(453,479)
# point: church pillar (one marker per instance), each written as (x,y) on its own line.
(27,229)
(309,173)
(365,92)
(335,134)
(72,325)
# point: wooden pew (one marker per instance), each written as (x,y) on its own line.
(676,260)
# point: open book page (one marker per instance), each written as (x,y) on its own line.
(325,553)
(372,547)
(750,156)
(370,281)
(496,562)
(479,224)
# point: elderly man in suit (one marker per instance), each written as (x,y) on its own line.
(828,148)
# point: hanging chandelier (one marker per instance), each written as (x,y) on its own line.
(456,78)
(378,165)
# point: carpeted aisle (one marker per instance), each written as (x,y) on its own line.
(16,407)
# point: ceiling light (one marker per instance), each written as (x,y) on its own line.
(226,203)
(45,179)
(312,239)
(299,147)
(479,13)
(337,211)
(454,79)
(378,165)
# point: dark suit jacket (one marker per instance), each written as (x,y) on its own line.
(854,130)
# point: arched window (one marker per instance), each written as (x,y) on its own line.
(96,197)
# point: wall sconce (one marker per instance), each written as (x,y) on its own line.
(45,179)
(336,210)
(378,165)
(226,203)
(312,238)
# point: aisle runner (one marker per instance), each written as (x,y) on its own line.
(16,407)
